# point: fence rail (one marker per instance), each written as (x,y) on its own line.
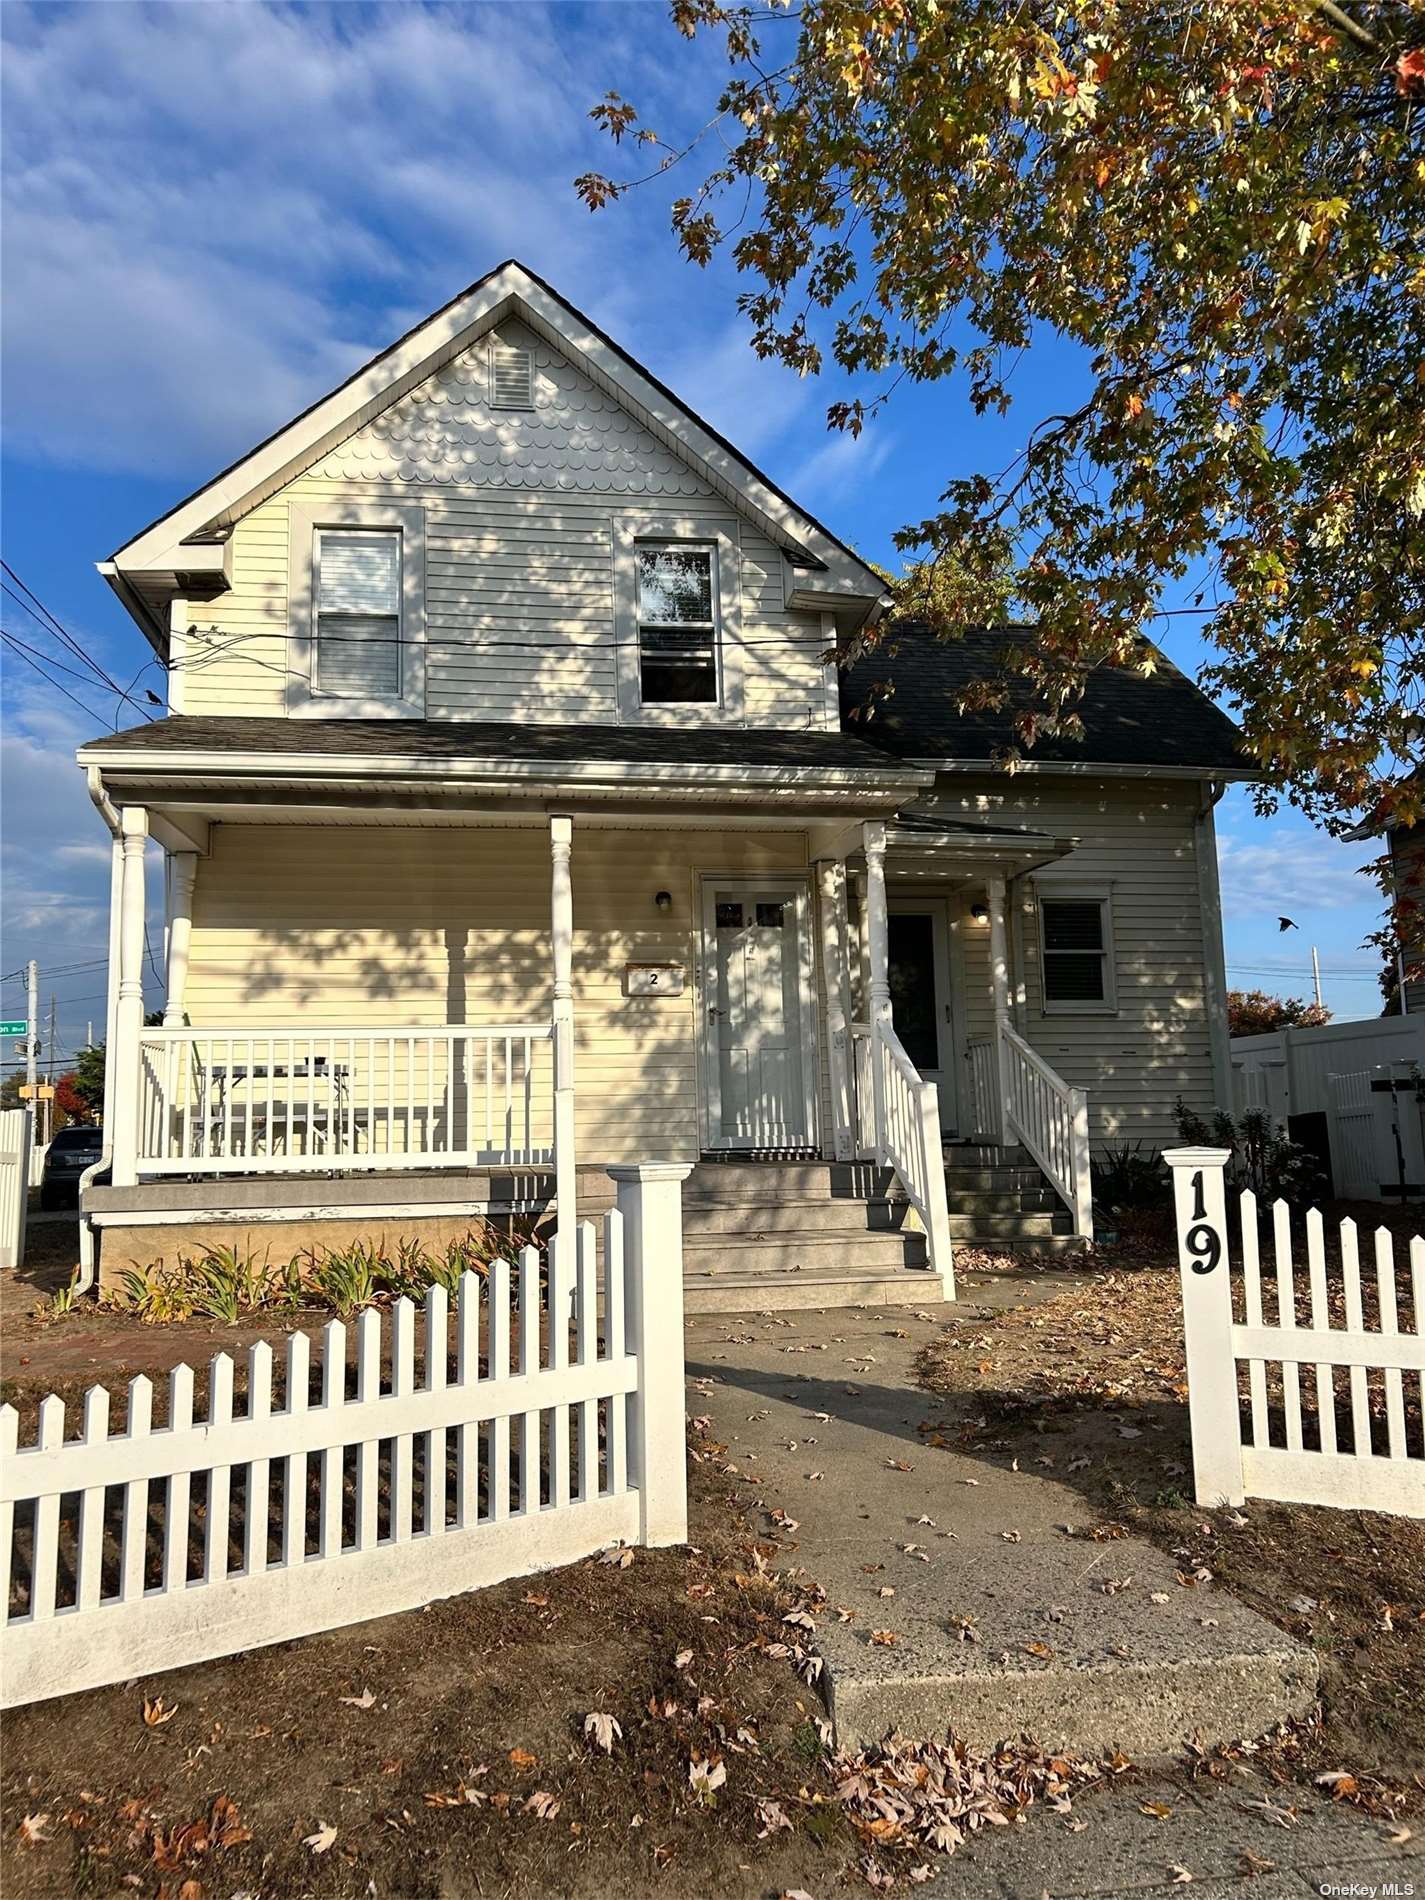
(16,1129)
(536,1434)
(294,1101)
(887,1087)
(1307,1391)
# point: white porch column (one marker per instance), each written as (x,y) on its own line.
(836,988)
(123,1056)
(111,1005)
(878,948)
(999,995)
(182,871)
(561,938)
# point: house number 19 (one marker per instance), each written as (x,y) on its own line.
(1202,1240)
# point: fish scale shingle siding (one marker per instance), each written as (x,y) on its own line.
(520,510)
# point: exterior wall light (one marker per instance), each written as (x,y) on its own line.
(663,901)
(980,913)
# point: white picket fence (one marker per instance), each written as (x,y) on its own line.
(1335,1367)
(544,1425)
(15,1131)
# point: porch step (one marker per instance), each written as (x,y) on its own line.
(852,1183)
(708,1256)
(986,1154)
(791,1289)
(1006,1180)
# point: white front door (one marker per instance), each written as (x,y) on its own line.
(759,1037)
(918,965)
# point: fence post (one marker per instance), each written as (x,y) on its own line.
(1200,1204)
(650,1199)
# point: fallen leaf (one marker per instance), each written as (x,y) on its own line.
(322,1839)
(157,1712)
(33,1830)
(682,1659)
(363,1701)
(522,1759)
(1160,1810)
(621,1557)
(542,1804)
(885,1639)
(603,1731)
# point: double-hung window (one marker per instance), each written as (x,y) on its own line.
(677,624)
(357,588)
(1076,952)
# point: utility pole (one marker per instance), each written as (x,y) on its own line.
(32,984)
(49,1070)
(1316,974)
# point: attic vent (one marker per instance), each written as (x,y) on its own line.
(511,378)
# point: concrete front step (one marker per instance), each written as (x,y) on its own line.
(797,1291)
(1025,1243)
(705,1254)
(846,1181)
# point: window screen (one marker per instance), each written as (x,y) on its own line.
(1075,956)
(358,613)
(677,630)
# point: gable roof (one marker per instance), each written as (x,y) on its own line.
(189,538)
(1158,720)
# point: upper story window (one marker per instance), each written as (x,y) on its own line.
(1076,952)
(357,587)
(677,625)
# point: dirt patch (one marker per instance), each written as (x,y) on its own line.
(446,1749)
(1091,1387)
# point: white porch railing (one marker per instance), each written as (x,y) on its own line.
(910,1134)
(294,1101)
(1018,1097)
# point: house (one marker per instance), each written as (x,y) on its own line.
(516,822)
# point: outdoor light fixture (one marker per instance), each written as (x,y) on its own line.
(980,912)
(663,901)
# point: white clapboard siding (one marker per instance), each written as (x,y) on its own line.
(261,1497)
(1345,1353)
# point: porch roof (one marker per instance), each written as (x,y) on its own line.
(393,741)
(260,769)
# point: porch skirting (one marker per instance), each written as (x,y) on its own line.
(281,1216)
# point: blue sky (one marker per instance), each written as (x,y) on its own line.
(237,204)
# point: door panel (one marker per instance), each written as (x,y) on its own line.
(758,1054)
(921,1002)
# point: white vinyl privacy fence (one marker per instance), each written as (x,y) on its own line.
(533,1420)
(15,1132)
(1305,1361)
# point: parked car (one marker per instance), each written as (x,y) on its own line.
(68,1155)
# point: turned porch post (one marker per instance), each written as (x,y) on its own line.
(124,1055)
(561,937)
(182,871)
(836,986)
(878,944)
(999,995)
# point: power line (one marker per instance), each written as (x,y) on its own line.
(51,622)
(16,648)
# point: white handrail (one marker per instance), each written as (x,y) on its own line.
(290,1100)
(909,1141)
(1044,1112)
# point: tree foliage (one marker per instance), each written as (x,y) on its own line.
(1254,1013)
(1221,206)
(87,1080)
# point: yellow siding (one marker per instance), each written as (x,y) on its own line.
(362,928)
(520,512)
(1138,837)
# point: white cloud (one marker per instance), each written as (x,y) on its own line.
(841,464)
(1293,871)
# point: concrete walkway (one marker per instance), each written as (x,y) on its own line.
(1001,1621)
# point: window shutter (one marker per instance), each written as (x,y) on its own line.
(511,378)
(359,615)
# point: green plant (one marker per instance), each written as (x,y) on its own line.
(63,1301)
(155,1294)
(1130,1176)
(224,1284)
(1264,1158)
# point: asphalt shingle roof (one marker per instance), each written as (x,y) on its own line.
(1129,719)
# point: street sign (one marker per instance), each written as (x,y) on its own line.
(13,1029)
(27,1093)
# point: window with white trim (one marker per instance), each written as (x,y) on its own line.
(1076,952)
(356,588)
(677,624)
